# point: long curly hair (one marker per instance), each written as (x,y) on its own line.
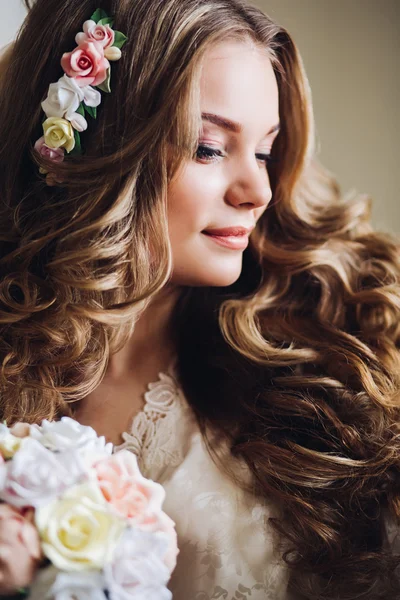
(296,365)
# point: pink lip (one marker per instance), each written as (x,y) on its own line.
(229,231)
(234,242)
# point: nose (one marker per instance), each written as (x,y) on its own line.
(250,185)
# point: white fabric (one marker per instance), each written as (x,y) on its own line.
(227,548)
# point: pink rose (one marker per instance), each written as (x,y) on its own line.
(136,498)
(127,491)
(54,154)
(87,64)
(20,550)
(103,34)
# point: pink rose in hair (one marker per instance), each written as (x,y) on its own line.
(103,34)
(20,550)
(54,154)
(87,64)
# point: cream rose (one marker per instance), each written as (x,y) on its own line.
(78,531)
(9,443)
(58,133)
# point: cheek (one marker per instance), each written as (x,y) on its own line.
(195,201)
(192,201)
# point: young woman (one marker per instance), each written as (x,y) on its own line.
(193,286)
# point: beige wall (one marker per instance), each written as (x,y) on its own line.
(351,53)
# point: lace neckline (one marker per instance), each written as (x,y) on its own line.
(152,433)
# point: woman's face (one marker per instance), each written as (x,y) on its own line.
(226,185)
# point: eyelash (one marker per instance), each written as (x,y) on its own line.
(213,152)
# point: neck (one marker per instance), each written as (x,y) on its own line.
(150,348)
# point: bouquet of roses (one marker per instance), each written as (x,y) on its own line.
(78,522)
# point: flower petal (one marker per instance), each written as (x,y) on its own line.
(91,96)
(112,53)
(88,25)
(78,122)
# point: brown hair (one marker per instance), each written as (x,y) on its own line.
(301,353)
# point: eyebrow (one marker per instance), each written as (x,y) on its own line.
(229,125)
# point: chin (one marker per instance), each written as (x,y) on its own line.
(216,275)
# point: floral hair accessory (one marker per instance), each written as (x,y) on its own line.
(75,96)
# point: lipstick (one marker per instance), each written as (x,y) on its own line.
(235,238)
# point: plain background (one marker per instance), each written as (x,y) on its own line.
(351,53)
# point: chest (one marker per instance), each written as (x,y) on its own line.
(111,408)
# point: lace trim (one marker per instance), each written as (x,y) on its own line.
(151,436)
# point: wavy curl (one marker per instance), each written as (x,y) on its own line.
(301,353)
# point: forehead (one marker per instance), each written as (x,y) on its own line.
(238,81)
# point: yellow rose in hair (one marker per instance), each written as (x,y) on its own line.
(58,133)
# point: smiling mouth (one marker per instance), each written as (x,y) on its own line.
(233,242)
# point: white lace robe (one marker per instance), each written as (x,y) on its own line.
(227,548)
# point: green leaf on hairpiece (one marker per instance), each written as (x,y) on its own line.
(78,148)
(80,110)
(98,15)
(91,110)
(107,21)
(105,86)
(119,39)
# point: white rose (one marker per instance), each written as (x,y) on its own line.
(79,586)
(69,434)
(65,96)
(78,531)
(36,475)
(91,97)
(4,431)
(137,569)
(53,584)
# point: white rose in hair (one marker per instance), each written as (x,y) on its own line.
(35,475)
(65,96)
(137,569)
(68,434)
